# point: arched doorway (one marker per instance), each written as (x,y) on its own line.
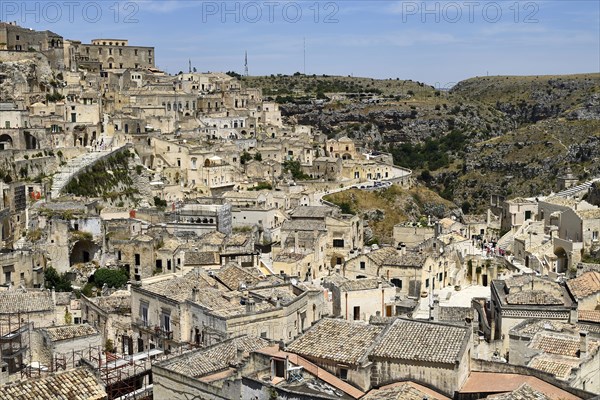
(6,142)
(337,260)
(84,251)
(562,260)
(31,141)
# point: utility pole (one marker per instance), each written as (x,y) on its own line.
(304,62)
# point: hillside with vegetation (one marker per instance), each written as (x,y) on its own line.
(382,209)
(488,135)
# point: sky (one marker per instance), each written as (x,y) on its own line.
(436,42)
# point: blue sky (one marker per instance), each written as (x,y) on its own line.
(437,42)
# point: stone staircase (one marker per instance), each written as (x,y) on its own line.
(74,167)
(506,242)
(577,189)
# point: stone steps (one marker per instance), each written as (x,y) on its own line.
(73,167)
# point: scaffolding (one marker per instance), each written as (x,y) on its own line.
(14,341)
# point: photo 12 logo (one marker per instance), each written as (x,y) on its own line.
(30,12)
(270,11)
(469,11)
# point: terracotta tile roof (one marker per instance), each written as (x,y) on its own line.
(559,367)
(201,258)
(585,285)
(213,359)
(66,332)
(561,344)
(389,256)
(13,301)
(233,276)
(303,225)
(314,370)
(311,212)
(119,301)
(179,288)
(77,384)
(403,391)
(336,340)
(524,392)
(533,297)
(363,284)
(589,316)
(422,341)
(493,382)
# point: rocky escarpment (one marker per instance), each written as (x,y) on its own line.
(24,73)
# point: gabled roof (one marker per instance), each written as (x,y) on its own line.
(14,301)
(336,340)
(585,285)
(215,358)
(77,384)
(422,341)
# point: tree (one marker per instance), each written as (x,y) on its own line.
(60,282)
(258,157)
(114,278)
(245,157)
(294,167)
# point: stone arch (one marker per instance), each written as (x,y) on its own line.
(337,259)
(346,156)
(6,142)
(31,141)
(562,260)
(83,251)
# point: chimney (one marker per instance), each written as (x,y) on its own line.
(296,241)
(403,249)
(239,355)
(379,285)
(583,344)
(53,296)
(250,305)
(195,294)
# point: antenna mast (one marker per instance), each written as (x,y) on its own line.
(246,64)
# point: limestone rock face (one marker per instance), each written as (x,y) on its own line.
(24,72)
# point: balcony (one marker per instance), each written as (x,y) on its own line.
(163,333)
(143,324)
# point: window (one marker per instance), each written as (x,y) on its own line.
(595,235)
(343,374)
(427,282)
(338,242)
(397,282)
(165,320)
(137,259)
(356,313)
(362,265)
(144,313)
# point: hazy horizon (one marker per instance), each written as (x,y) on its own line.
(436,42)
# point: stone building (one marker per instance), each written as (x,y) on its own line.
(111,316)
(49,346)
(436,354)
(17,38)
(566,351)
(362,298)
(340,347)
(109,54)
(585,289)
(523,297)
(516,211)
(73,384)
